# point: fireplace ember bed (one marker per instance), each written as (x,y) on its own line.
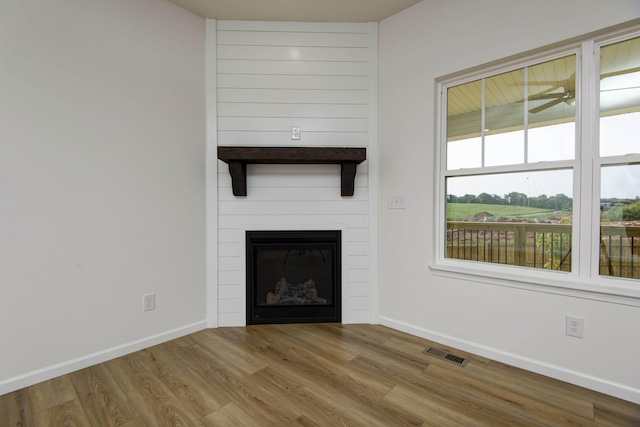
(293,276)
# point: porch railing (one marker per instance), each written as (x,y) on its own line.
(545,246)
(620,251)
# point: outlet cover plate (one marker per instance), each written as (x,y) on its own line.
(575,326)
(148,302)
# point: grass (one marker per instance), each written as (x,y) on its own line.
(460,211)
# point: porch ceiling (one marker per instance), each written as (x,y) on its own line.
(504,90)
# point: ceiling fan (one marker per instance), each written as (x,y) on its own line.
(568,94)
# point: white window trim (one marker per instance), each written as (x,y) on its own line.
(584,280)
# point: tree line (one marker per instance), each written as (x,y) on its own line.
(557,202)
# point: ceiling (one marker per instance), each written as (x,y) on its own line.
(296,10)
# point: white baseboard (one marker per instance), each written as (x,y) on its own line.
(44,374)
(601,385)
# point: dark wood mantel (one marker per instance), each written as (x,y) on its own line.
(239,157)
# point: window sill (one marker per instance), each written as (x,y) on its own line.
(612,290)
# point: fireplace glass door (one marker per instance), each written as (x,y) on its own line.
(293,276)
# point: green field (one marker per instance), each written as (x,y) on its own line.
(460,211)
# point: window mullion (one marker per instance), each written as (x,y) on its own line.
(483,118)
(526,115)
(587,185)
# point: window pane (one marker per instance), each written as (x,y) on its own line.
(520,218)
(552,142)
(464,153)
(464,126)
(620,221)
(504,148)
(620,98)
(552,111)
(504,122)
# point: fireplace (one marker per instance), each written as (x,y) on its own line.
(293,276)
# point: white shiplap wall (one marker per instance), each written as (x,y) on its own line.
(322,77)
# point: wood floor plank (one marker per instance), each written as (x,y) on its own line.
(303,421)
(67,414)
(131,372)
(158,407)
(104,402)
(230,415)
(604,404)
(430,411)
(197,394)
(361,339)
(51,393)
(311,405)
(138,422)
(244,338)
(325,340)
(360,333)
(15,408)
(228,351)
(537,380)
(616,418)
(179,343)
(536,387)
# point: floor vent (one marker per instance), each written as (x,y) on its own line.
(445,355)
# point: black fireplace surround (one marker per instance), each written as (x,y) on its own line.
(293,276)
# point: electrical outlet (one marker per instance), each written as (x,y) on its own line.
(148,302)
(397,202)
(575,326)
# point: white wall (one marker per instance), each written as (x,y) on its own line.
(525,328)
(319,76)
(102,199)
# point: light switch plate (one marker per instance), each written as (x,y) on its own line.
(397,202)
(295,132)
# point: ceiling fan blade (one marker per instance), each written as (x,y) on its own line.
(555,83)
(547,105)
(537,83)
(548,96)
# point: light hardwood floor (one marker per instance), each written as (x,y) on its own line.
(306,375)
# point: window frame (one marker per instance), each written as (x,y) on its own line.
(584,279)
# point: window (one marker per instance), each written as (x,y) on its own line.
(619,149)
(540,167)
